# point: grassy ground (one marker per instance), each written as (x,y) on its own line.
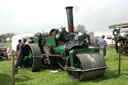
(8,44)
(44,77)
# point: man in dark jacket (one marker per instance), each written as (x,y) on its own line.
(17,47)
(31,40)
(20,55)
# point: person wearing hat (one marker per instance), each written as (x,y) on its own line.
(102,45)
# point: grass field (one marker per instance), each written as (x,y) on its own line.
(44,77)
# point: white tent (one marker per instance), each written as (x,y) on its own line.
(19,36)
(109,41)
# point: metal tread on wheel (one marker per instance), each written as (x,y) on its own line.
(92,66)
(32,57)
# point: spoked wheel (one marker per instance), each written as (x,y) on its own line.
(123,46)
(32,57)
(92,66)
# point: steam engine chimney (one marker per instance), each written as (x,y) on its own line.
(70,18)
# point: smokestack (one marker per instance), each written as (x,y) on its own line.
(70,18)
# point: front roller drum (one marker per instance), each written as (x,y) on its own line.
(92,66)
(32,57)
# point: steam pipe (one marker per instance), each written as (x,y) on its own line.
(70,18)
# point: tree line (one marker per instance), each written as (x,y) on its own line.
(5,36)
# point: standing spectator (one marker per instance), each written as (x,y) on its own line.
(31,40)
(102,45)
(8,53)
(20,55)
(17,47)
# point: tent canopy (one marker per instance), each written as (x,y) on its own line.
(20,36)
(124,25)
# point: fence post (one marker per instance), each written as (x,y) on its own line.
(13,72)
(119,65)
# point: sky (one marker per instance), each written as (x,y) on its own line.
(31,16)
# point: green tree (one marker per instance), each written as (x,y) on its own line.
(81,28)
(4,36)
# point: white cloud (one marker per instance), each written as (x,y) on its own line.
(35,15)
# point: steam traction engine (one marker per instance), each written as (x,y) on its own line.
(67,50)
(120,39)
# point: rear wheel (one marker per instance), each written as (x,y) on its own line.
(32,57)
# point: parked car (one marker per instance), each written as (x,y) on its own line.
(4,52)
